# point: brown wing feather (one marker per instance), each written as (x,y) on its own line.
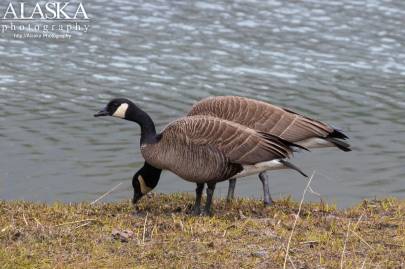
(238,143)
(262,116)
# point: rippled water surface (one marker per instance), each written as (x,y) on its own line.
(342,62)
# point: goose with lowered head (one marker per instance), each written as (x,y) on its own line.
(260,116)
(202,149)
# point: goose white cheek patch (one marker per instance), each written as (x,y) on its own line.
(121,110)
(144,188)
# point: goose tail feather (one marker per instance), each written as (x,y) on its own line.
(293,167)
(283,141)
(339,144)
(337,134)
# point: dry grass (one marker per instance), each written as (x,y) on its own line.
(162,235)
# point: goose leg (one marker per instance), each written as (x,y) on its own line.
(198,194)
(210,194)
(231,190)
(266,192)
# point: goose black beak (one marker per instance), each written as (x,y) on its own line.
(101,113)
(137,197)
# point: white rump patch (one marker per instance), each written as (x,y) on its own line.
(312,143)
(260,167)
(121,110)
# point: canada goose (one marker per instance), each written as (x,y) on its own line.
(202,149)
(272,119)
(264,117)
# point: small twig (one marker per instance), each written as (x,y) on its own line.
(82,225)
(309,242)
(358,221)
(153,231)
(6,228)
(37,221)
(181,225)
(144,229)
(74,222)
(289,257)
(314,192)
(320,259)
(362,240)
(296,220)
(105,194)
(25,220)
(344,246)
(290,260)
(364,263)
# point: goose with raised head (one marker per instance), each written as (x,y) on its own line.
(201,149)
(278,121)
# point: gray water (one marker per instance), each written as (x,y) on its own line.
(342,62)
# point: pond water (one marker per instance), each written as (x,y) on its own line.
(342,62)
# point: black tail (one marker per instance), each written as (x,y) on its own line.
(293,167)
(337,134)
(282,141)
(335,138)
(339,144)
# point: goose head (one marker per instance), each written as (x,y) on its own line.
(125,109)
(144,181)
(118,107)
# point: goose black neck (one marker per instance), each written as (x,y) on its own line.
(148,131)
(151,174)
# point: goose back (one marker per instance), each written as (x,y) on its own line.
(262,116)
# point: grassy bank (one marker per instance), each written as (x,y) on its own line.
(162,235)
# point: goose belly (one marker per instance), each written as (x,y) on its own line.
(196,175)
(201,172)
(259,167)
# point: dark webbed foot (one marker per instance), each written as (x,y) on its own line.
(268,203)
(195,211)
(138,213)
(206,213)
